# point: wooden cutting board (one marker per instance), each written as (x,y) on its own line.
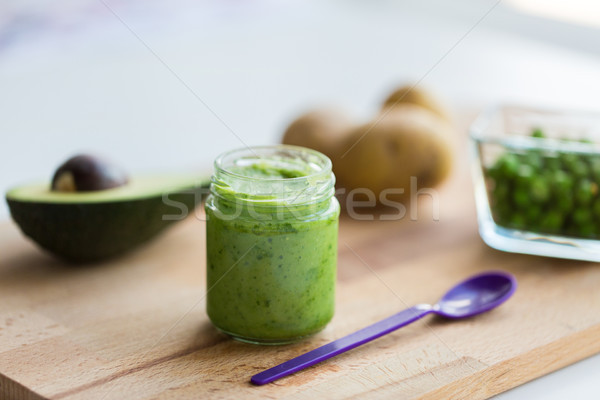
(135,327)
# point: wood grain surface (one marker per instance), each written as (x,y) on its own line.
(135,327)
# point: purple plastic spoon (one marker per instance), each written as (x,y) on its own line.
(478,294)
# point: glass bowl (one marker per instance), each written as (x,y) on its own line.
(536,176)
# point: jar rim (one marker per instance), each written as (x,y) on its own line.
(325,168)
(316,186)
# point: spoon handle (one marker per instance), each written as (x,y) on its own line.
(344,344)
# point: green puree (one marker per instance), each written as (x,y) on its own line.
(267,171)
(271,270)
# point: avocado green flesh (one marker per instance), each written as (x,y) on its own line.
(142,187)
(91,226)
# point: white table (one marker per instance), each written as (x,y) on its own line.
(134,87)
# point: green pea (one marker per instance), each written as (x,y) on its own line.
(521,197)
(518,221)
(538,133)
(562,182)
(574,165)
(568,159)
(552,222)
(595,168)
(539,190)
(587,230)
(585,191)
(525,175)
(533,215)
(581,216)
(532,158)
(580,169)
(552,163)
(596,208)
(508,164)
(501,191)
(564,202)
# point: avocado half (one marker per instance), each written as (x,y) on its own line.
(91,226)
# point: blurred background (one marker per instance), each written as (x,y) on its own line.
(169,85)
(160,85)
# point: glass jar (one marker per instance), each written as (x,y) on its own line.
(536,175)
(271,236)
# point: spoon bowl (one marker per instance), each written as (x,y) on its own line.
(476,295)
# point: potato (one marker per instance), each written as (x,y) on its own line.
(321,130)
(418,96)
(406,141)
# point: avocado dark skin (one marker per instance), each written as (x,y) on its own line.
(89,232)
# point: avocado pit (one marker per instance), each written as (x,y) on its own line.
(85,172)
